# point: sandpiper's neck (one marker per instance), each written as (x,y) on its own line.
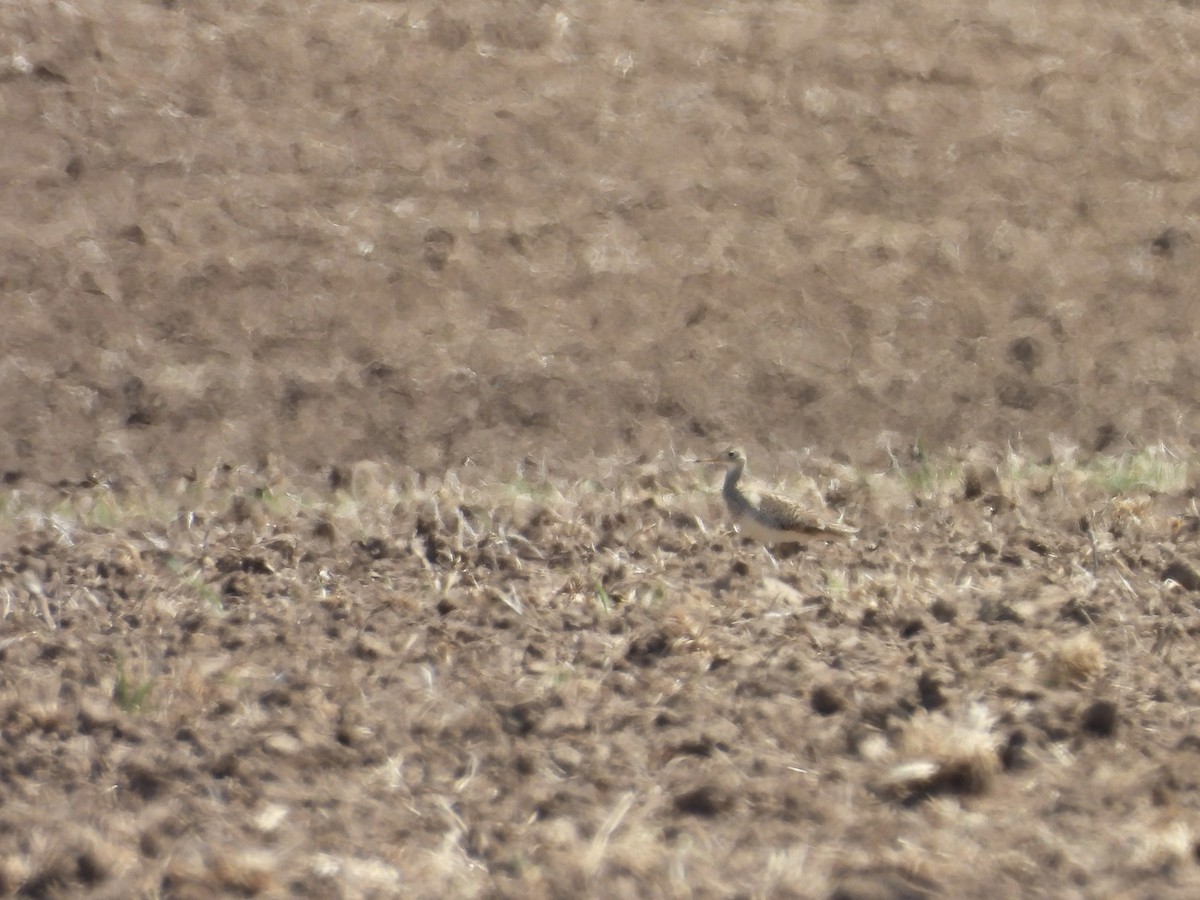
(733,474)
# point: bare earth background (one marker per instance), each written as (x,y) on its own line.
(269,271)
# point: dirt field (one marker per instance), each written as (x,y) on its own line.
(352,354)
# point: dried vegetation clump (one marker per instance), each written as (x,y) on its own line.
(263,684)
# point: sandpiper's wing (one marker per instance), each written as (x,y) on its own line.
(785,514)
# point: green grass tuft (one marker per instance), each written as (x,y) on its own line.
(129,696)
(1155,469)
(603,597)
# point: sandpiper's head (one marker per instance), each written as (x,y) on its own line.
(730,459)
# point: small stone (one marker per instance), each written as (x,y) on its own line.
(282,744)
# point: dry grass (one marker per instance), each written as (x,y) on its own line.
(1077,660)
(942,755)
(268,685)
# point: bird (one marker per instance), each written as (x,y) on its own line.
(771,518)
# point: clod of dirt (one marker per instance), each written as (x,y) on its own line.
(929,689)
(648,648)
(697,315)
(1041,548)
(910,628)
(521,720)
(944,610)
(1100,718)
(439,244)
(1019,393)
(448,33)
(1183,575)
(145,780)
(252,565)
(1014,756)
(980,480)
(1026,353)
(984,549)
(827,700)
(226,765)
(996,610)
(684,521)
(92,866)
(1106,434)
(1166,241)
(375,548)
(707,801)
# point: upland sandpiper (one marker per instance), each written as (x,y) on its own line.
(771,518)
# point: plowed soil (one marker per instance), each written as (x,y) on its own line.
(352,356)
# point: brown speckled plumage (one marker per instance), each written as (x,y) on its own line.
(769,517)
